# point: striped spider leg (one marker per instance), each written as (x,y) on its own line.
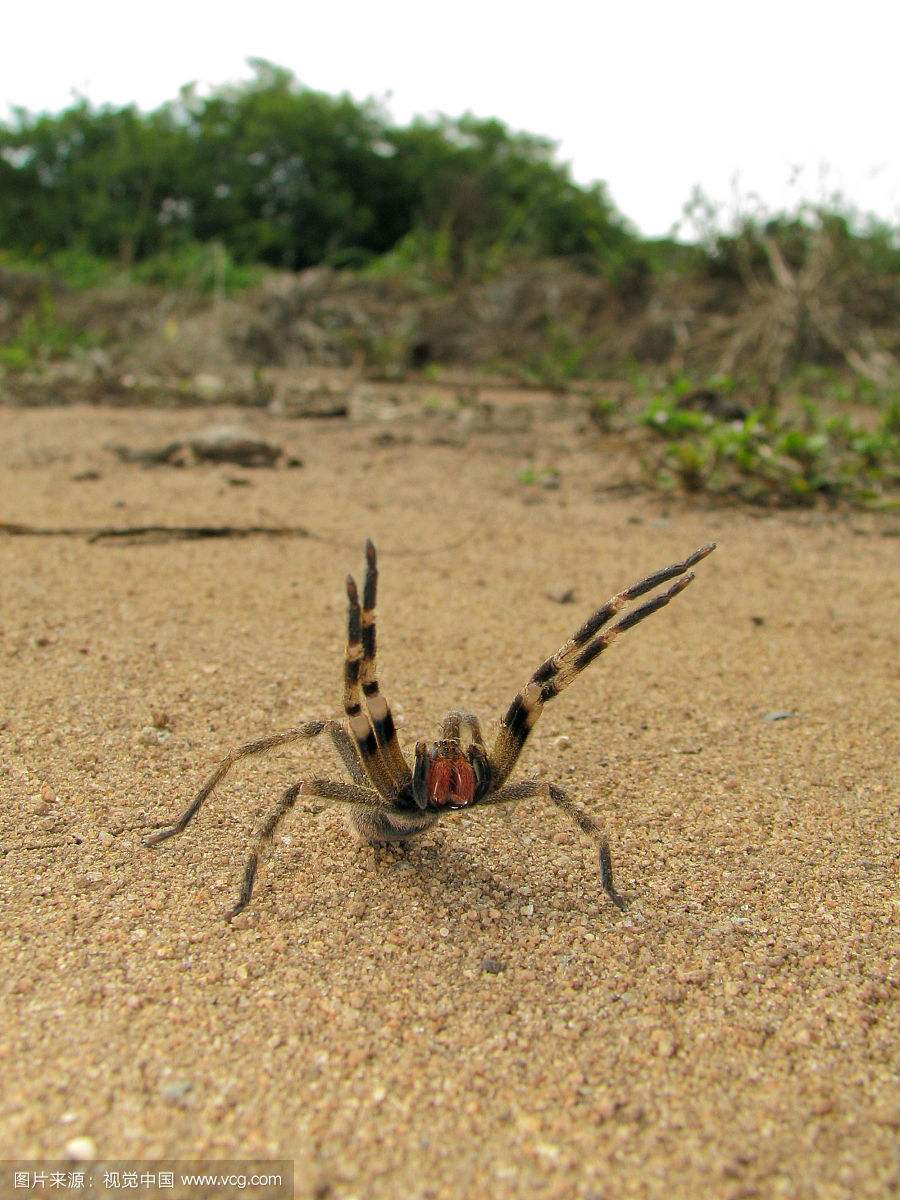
(555,674)
(380,801)
(446,778)
(578,652)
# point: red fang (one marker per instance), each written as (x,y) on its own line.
(451,781)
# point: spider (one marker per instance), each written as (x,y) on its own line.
(388,801)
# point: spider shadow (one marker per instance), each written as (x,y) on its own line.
(442,874)
(446,878)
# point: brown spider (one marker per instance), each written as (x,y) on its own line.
(388,802)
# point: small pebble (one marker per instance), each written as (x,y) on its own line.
(664,1045)
(562,742)
(175,1091)
(493,966)
(154,737)
(81,1149)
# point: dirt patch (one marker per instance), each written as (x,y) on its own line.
(545,322)
(469,1016)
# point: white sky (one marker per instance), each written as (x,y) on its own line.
(652,97)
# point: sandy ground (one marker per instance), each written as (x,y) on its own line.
(468,1017)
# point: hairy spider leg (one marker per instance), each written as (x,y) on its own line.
(310,729)
(586,823)
(323,789)
(378,707)
(346,748)
(578,652)
(373,759)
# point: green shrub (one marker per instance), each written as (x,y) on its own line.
(560,360)
(775,457)
(80,269)
(534,476)
(43,337)
(196,267)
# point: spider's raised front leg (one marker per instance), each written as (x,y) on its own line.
(586,823)
(311,729)
(581,649)
(374,729)
(360,799)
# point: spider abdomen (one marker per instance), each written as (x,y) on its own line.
(380,828)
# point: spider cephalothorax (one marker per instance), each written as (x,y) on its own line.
(388,801)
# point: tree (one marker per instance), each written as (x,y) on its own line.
(289,176)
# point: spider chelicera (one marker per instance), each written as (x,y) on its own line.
(388,801)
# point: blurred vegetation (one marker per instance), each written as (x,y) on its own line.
(282,175)
(43,337)
(765,348)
